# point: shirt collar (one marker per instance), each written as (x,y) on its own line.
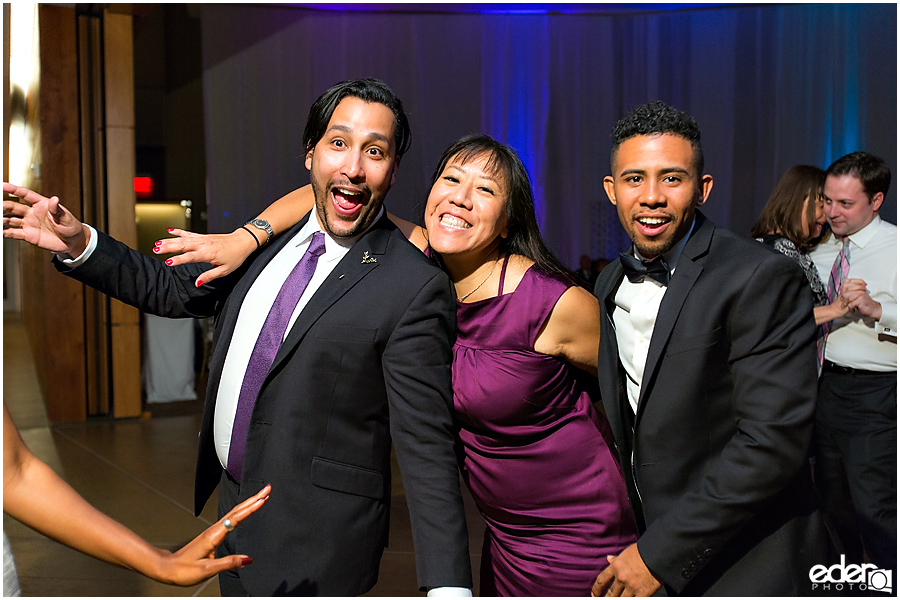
(334,246)
(864,235)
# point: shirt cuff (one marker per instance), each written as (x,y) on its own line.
(450,592)
(888,321)
(70,262)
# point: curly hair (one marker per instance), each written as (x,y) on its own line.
(657,117)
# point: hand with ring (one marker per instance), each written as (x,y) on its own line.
(196,561)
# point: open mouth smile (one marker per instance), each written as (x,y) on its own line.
(347,201)
(652,225)
(451,222)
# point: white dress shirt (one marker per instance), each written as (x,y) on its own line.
(634,316)
(854,341)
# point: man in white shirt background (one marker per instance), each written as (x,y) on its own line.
(856,415)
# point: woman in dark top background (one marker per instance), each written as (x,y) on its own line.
(793,222)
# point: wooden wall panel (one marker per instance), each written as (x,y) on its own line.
(118,61)
(55,314)
(93,161)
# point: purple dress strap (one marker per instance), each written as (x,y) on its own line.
(503,274)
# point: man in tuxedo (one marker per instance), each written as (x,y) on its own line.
(707,371)
(330,343)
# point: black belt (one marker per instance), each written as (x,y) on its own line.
(833,368)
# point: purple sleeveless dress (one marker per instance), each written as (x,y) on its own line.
(538,456)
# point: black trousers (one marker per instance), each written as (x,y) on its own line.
(856,462)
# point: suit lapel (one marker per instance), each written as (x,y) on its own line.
(686,273)
(608,365)
(362,259)
(608,358)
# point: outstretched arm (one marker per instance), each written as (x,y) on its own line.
(36,496)
(43,222)
(229,250)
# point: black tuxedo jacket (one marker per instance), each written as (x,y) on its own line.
(716,457)
(366,363)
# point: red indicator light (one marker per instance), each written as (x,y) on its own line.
(143,187)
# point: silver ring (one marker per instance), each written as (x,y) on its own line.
(227,524)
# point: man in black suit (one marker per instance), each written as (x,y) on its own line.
(707,371)
(363,361)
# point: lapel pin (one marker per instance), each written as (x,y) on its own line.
(342,276)
(366,259)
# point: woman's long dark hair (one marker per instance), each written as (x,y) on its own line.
(784,210)
(502,161)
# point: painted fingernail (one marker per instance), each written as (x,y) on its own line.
(156,250)
(199,282)
(158,243)
(169,261)
(246,560)
(170,229)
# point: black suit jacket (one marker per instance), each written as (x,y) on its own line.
(716,457)
(367,362)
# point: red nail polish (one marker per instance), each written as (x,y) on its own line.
(199,283)
(246,560)
(156,250)
(170,230)
(169,261)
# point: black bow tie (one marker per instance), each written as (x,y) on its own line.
(636,269)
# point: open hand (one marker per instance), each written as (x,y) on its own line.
(42,221)
(225,251)
(196,561)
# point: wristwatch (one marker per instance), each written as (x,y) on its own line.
(264,225)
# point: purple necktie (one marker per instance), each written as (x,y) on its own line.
(266,348)
(840,270)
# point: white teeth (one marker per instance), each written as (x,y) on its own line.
(347,192)
(454,222)
(653,220)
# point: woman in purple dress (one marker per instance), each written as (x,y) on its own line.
(538,457)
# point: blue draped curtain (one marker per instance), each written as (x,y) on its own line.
(771,86)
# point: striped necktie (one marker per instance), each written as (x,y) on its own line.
(840,270)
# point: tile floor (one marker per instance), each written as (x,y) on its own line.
(108,462)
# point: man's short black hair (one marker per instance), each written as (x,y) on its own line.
(657,117)
(871,171)
(367,90)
